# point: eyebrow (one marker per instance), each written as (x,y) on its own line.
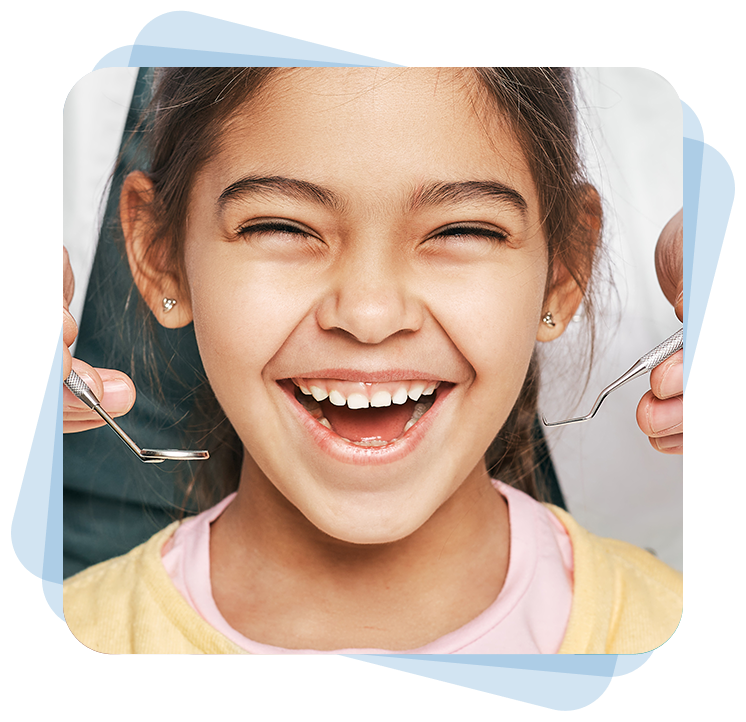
(299,190)
(433,194)
(466,191)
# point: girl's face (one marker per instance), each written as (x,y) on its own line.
(364,236)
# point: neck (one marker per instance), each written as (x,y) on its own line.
(281,581)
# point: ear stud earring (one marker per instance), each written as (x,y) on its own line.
(548,319)
(169,303)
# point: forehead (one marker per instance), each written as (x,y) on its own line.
(373,126)
(374,89)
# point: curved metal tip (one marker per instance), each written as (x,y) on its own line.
(642,366)
(566,421)
(156,456)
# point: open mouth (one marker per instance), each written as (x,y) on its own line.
(366,414)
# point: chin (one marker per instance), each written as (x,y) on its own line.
(371,518)
(363,530)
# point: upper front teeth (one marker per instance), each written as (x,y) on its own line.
(362,395)
(316,392)
(336,398)
(381,398)
(357,401)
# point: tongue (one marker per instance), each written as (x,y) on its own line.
(385,423)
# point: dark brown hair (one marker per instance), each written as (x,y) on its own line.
(183,123)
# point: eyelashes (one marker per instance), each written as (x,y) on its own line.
(275,227)
(457,232)
(466,231)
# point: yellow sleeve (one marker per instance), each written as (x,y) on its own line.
(625,600)
(129,605)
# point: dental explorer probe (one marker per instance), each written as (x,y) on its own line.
(149,456)
(648,362)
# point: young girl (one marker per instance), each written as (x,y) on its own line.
(369,257)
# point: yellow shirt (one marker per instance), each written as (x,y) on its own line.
(625,601)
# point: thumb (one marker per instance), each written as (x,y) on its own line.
(91,377)
(112,388)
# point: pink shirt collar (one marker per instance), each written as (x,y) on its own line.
(529,615)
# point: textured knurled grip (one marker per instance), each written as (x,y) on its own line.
(76,384)
(662,351)
(80,389)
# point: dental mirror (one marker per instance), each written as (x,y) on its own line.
(148,456)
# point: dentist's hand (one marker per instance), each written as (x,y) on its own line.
(660,413)
(113,389)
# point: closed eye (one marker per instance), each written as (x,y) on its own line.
(280,227)
(464,232)
(277,227)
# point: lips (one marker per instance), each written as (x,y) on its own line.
(365,415)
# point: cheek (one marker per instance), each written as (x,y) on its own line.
(493,323)
(243,314)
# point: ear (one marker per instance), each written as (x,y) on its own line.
(566,291)
(154,275)
(560,305)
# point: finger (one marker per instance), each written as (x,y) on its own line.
(667,379)
(669,444)
(112,388)
(669,262)
(679,305)
(69,327)
(69,332)
(72,424)
(660,417)
(117,398)
(74,427)
(68,279)
(91,377)
(67,363)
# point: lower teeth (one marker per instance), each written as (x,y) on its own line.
(369,442)
(419,410)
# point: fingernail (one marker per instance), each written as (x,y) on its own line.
(117,395)
(71,400)
(87,380)
(665,415)
(672,383)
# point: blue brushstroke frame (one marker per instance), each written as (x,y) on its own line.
(702,56)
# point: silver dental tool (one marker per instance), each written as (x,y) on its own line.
(149,456)
(648,362)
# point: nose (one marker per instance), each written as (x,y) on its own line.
(371,298)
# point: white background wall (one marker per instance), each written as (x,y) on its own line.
(614,482)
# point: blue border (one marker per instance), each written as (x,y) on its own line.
(702,56)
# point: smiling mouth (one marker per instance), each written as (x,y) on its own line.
(366,414)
